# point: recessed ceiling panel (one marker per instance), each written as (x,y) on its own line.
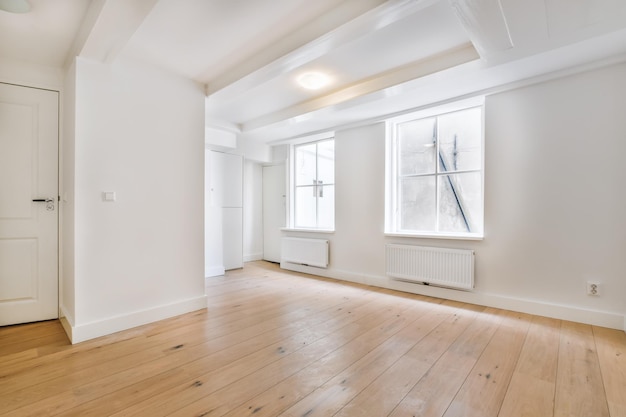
(569,16)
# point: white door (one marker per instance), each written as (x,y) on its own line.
(28,229)
(226,177)
(273,210)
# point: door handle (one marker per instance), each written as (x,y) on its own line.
(49,202)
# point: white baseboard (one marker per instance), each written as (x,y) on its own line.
(64,313)
(107,326)
(563,312)
(253,257)
(214,271)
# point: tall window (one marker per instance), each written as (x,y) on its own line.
(314,185)
(437,178)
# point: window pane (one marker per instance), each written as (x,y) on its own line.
(305,207)
(460,140)
(417,147)
(326,161)
(460,203)
(418,204)
(326,207)
(305,164)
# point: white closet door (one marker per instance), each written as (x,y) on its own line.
(226,179)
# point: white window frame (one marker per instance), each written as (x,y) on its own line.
(292,186)
(392,209)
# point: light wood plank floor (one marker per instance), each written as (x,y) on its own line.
(274,343)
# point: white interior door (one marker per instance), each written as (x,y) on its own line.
(28,229)
(226,193)
(273,210)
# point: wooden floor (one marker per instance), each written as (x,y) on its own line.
(274,343)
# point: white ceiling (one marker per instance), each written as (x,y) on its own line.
(384,57)
(45,35)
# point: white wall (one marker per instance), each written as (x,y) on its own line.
(140,133)
(555,210)
(252,211)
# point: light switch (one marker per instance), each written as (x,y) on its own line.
(108,195)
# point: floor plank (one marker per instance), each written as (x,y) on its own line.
(579,388)
(531,391)
(611,347)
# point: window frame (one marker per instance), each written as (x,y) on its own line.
(393,194)
(293,186)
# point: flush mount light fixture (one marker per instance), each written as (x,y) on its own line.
(15,6)
(313,80)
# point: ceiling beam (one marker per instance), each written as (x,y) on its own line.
(107,28)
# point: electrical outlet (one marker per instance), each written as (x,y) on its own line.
(593,288)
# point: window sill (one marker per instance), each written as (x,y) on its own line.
(435,236)
(291,229)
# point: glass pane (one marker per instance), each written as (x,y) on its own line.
(418,204)
(416,141)
(305,164)
(326,161)
(460,138)
(326,207)
(460,203)
(305,207)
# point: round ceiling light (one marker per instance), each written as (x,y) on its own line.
(15,6)
(313,80)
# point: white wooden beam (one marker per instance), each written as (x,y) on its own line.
(107,28)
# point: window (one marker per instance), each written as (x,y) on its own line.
(435,181)
(314,185)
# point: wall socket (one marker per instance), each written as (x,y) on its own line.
(593,288)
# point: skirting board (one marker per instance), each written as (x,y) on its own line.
(562,312)
(252,257)
(111,325)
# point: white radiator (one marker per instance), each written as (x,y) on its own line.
(453,268)
(311,252)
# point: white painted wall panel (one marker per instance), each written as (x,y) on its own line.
(138,132)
